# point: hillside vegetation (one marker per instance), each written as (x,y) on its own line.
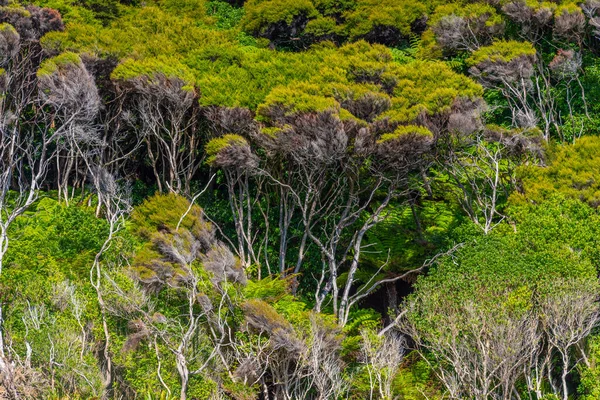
(309,199)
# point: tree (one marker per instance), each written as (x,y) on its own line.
(465,28)
(569,313)
(482,168)
(382,356)
(508,66)
(488,317)
(332,192)
(68,91)
(25,145)
(164,103)
(200,273)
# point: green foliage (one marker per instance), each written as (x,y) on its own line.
(150,69)
(410,241)
(406,130)
(589,385)
(216,145)
(502,51)
(571,170)
(260,14)
(371,14)
(227,16)
(50,301)
(54,235)
(209,46)
(469,11)
(500,271)
(163,211)
(55,64)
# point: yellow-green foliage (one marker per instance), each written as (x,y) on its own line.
(163,211)
(178,39)
(55,64)
(568,8)
(297,98)
(501,51)
(151,68)
(217,144)
(273,131)
(140,32)
(15,9)
(428,87)
(7,27)
(572,171)
(468,11)
(398,14)
(266,314)
(355,18)
(537,5)
(405,130)
(260,14)
(321,26)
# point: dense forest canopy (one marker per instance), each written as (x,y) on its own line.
(299,199)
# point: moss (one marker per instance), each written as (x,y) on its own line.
(501,51)
(52,65)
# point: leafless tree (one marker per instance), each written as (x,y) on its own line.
(238,163)
(590,9)
(117,206)
(569,311)
(326,179)
(298,364)
(482,165)
(461,33)
(479,352)
(382,357)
